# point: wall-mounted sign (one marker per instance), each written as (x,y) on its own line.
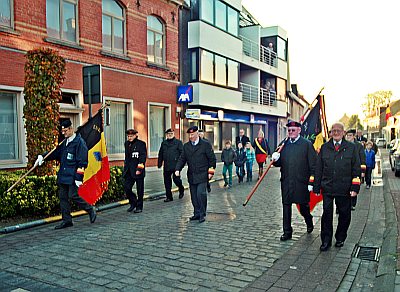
(185,94)
(193,113)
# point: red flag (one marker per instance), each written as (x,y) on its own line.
(388,113)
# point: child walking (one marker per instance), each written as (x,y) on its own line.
(228,157)
(240,161)
(370,162)
(251,157)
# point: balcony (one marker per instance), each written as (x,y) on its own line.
(259,52)
(256,95)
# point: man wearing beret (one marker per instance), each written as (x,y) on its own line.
(297,162)
(201,161)
(169,152)
(72,154)
(134,170)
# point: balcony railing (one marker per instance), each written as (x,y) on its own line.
(259,52)
(257,95)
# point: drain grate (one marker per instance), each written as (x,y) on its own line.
(367,253)
(211,216)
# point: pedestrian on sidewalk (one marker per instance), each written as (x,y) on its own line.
(240,161)
(370,162)
(201,135)
(261,149)
(201,161)
(351,137)
(169,153)
(134,170)
(228,156)
(297,162)
(338,173)
(242,138)
(73,157)
(251,157)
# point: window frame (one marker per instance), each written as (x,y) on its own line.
(61,21)
(129,122)
(112,50)
(11,26)
(155,32)
(168,108)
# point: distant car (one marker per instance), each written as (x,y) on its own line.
(394,144)
(380,142)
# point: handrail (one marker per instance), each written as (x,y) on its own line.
(259,52)
(257,95)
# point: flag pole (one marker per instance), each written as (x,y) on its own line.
(253,190)
(308,109)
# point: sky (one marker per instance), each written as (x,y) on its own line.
(351,48)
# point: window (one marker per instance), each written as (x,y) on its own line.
(9,147)
(6,13)
(115,132)
(193,66)
(220,70)
(155,40)
(233,74)
(207,10)
(281,49)
(233,22)
(157,126)
(211,133)
(220,15)
(113,27)
(207,66)
(61,17)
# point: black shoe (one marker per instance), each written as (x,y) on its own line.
(131,208)
(181,194)
(325,246)
(201,220)
(138,211)
(285,237)
(209,188)
(168,200)
(225,185)
(64,225)
(339,243)
(92,215)
(194,218)
(310,228)
(353,208)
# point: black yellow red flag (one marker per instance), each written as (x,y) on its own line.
(97,173)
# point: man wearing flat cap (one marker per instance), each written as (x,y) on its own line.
(134,170)
(297,162)
(201,161)
(72,154)
(169,153)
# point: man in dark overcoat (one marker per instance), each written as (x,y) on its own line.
(201,161)
(134,170)
(337,173)
(169,153)
(242,138)
(297,162)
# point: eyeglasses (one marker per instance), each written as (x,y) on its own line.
(291,130)
(336,131)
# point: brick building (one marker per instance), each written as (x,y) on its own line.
(136,43)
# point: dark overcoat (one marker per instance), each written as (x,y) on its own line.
(135,158)
(169,153)
(337,172)
(297,163)
(200,159)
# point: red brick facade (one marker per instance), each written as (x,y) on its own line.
(129,77)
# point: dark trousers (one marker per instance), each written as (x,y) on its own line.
(287,216)
(136,201)
(368,176)
(343,204)
(70,192)
(168,183)
(198,195)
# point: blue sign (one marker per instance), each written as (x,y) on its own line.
(185,94)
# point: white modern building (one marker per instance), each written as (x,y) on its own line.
(238,70)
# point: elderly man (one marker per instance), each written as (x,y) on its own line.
(337,173)
(242,138)
(201,161)
(297,163)
(72,154)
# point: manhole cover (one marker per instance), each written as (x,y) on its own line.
(220,216)
(367,253)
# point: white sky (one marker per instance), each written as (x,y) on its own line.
(351,47)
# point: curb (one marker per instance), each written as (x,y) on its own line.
(148,197)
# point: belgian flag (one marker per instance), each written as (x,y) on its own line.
(97,173)
(314,128)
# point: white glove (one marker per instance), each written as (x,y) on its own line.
(275,156)
(39,161)
(78,183)
(310,188)
(317,194)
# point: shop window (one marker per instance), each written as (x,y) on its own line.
(113,26)
(61,18)
(9,125)
(211,133)
(229,133)
(115,131)
(6,13)
(155,40)
(158,117)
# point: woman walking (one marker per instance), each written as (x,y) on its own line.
(262,149)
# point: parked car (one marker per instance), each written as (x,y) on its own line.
(380,142)
(394,144)
(396,162)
